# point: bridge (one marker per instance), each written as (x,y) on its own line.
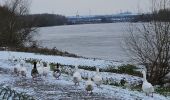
(102,19)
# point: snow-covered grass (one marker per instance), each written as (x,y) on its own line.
(50,88)
(59,59)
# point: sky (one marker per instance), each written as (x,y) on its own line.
(88,7)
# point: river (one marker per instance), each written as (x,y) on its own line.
(102,41)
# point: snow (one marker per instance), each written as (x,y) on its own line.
(60,59)
(50,88)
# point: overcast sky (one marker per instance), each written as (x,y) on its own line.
(86,7)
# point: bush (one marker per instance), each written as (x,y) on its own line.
(163,90)
(90,68)
(127,69)
(6,93)
(15,31)
(44,51)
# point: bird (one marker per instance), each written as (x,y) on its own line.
(34,72)
(39,64)
(123,81)
(97,78)
(146,86)
(89,85)
(17,68)
(57,72)
(23,69)
(46,70)
(40,68)
(77,76)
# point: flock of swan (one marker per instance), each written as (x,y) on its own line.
(40,70)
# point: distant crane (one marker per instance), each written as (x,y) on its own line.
(89,15)
(77,17)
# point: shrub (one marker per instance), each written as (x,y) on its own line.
(6,93)
(90,68)
(129,69)
(163,90)
(44,51)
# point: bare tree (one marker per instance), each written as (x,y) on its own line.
(150,45)
(15,29)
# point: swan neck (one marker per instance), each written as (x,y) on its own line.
(144,76)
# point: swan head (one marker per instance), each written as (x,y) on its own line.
(143,72)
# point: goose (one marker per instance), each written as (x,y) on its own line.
(39,64)
(146,86)
(77,76)
(11,57)
(34,72)
(46,70)
(97,78)
(17,68)
(23,71)
(89,85)
(123,81)
(22,62)
(40,68)
(23,68)
(57,72)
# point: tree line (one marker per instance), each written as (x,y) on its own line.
(17,26)
(14,31)
(160,15)
(42,20)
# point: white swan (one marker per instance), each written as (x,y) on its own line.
(89,85)
(11,57)
(46,70)
(17,68)
(40,68)
(23,69)
(39,64)
(43,70)
(20,69)
(77,76)
(97,78)
(146,86)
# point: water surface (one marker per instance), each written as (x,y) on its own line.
(88,40)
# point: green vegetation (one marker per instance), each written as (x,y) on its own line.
(163,90)
(126,69)
(43,20)
(44,51)
(6,93)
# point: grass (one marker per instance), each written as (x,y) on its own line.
(6,93)
(163,91)
(123,69)
(44,51)
(126,69)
